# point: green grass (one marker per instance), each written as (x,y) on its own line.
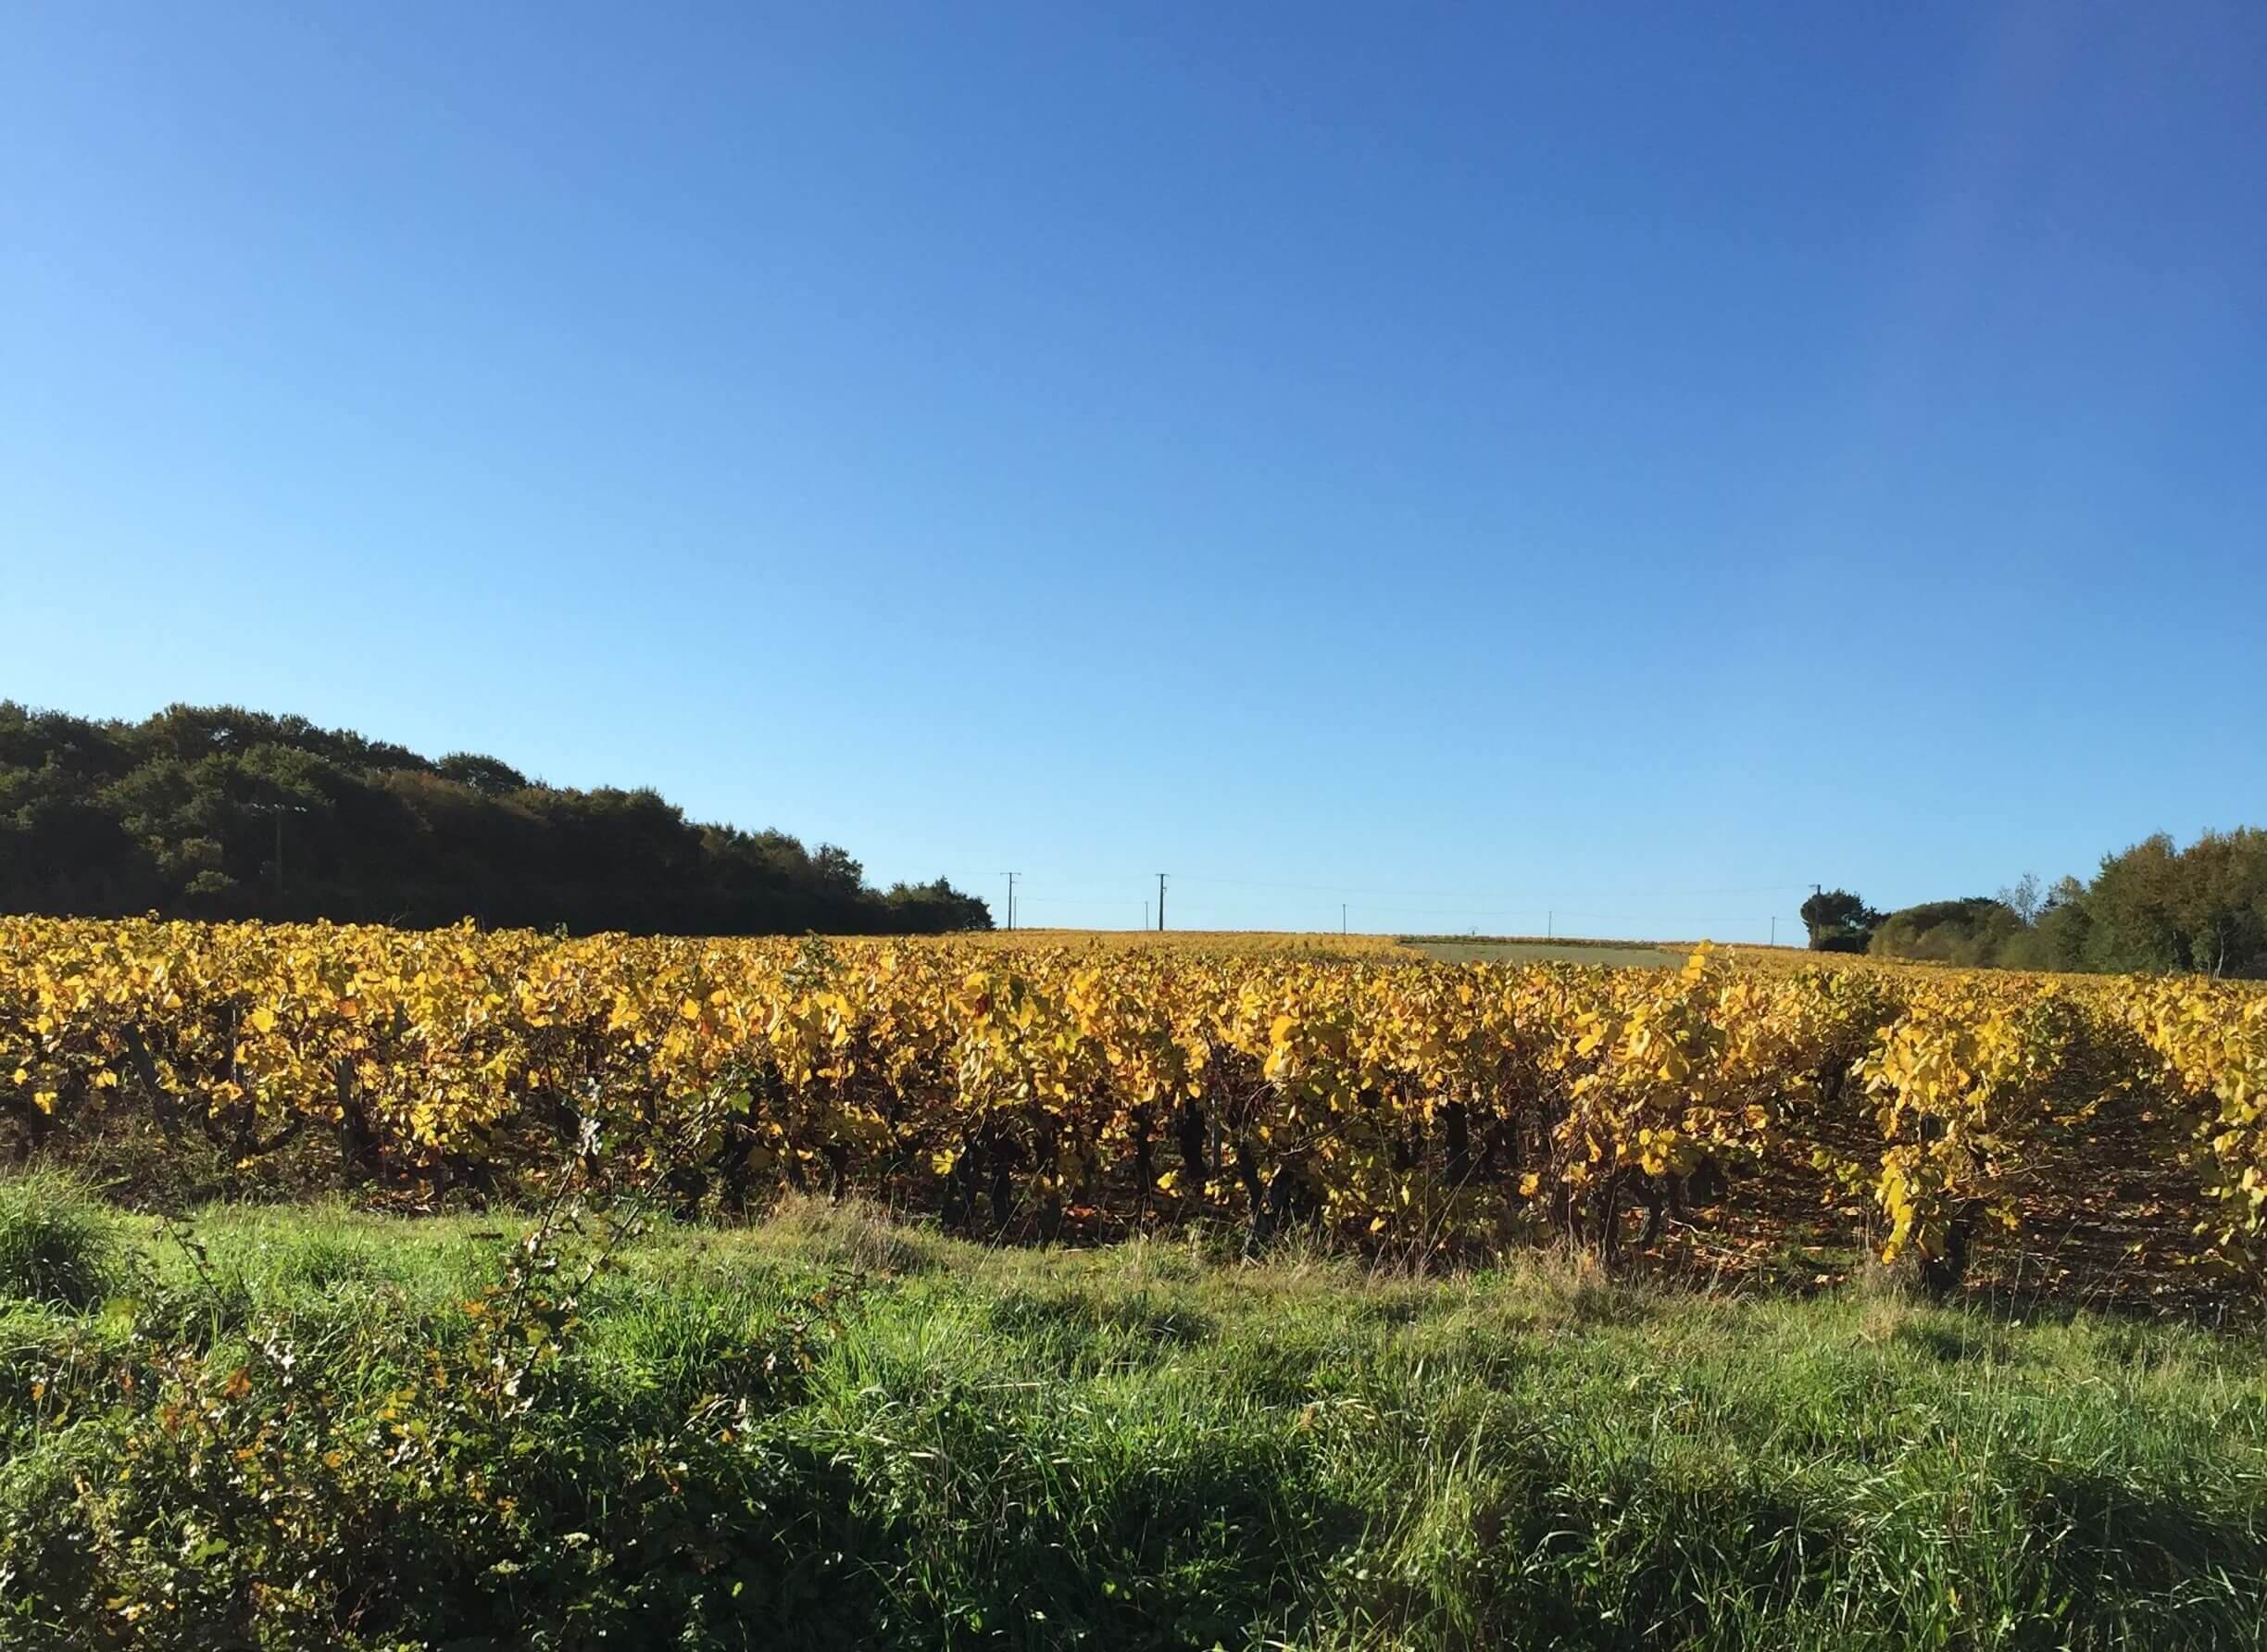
(835,1431)
(1482,949)
(56,1245)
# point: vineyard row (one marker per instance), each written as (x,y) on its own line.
(1393,1101)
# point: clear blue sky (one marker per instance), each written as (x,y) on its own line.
(1465,462)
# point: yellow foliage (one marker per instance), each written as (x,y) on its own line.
(1407,1097)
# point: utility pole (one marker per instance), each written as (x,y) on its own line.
(1550,923)
(1160,902)
(1342,918)
(279,810)
(1144,913)
(1011,878)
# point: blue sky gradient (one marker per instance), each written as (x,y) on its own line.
(1463,462)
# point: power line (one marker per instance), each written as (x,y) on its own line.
(1347,889)
(1383,909)
(1479,901)
(1024,900)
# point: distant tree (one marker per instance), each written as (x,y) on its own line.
(220,812)
(2154,906)
(834,866)
(2131,901)
(2055,936)
(2023,897)
(1974,932)
(487,776)
(2219,902)
(935,907)
(1838,922)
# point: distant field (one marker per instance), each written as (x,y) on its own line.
(1483,950)
(1239,943)
(1454,949)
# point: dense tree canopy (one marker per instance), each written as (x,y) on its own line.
(1970,931)
(1838,920)
(219,812)
(2201,908)
(2152,907)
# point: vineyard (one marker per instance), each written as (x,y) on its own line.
(1041,1090)
(1391,1365)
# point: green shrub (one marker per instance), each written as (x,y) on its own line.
(57,1242)
(1972,934)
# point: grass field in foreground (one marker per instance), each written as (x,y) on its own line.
(833,1431)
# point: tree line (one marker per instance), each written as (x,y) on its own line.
(2155,906)
(217,812)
